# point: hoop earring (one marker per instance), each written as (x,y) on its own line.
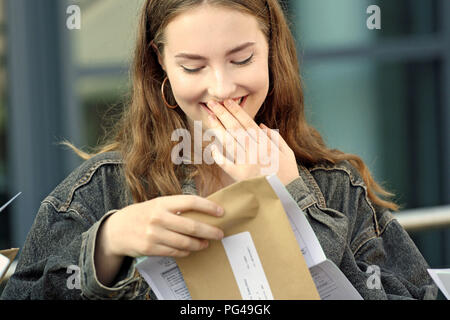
(164,98)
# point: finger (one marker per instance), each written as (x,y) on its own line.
(267,139)
(165,251)
(214,123)
(191,227)
(238,112)
(228,121)
(230,125)
(268,151)
(226,164)
(277,139)
(186,202)
(233,147)
(182,242)
(251,128)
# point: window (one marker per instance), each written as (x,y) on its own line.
(4,192)
(103,50)
(381,94)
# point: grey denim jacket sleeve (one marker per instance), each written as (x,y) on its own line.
(57,260)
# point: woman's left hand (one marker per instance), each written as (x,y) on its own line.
(257,150)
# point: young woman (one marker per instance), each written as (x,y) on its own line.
(227,65)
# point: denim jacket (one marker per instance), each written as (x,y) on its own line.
(354,233)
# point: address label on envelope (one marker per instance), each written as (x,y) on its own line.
(247,268)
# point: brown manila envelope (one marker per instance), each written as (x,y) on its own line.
(7,257)
(252,209)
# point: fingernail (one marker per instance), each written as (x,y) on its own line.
(220,236)
(220,211)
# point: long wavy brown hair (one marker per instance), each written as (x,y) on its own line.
(143,135)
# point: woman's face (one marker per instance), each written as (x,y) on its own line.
(213,53)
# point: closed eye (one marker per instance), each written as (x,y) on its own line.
(248,60)
(191,70)
(239,63)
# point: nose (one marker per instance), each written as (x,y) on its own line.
(221,85)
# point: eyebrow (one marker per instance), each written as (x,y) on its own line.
(198,57)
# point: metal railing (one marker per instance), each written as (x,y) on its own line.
(424,218)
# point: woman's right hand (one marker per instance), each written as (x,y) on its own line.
(152,228)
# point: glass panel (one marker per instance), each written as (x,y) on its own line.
(332,24)
(103,51)
(4,195)
(387,114)
(347,117)
(100,96)
(107,32)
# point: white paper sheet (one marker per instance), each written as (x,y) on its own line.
(306,238)
(442,279)
(4,263)
(247,268)
(164,277)
(331,283)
